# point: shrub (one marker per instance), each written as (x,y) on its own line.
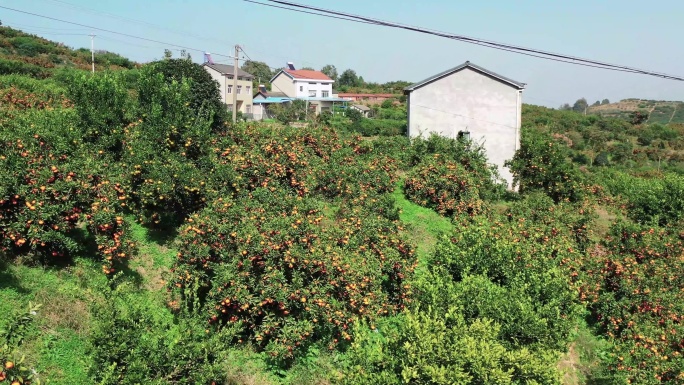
(43,188)
(204,95)
(8,67)
(12,368)
(443,185)
(104,107)
(541,164)
(657,200)
(510,272)
(635,297)
(443,348)
(602,159)
(266,263)
(133,342)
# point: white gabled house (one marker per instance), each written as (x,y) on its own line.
(472,101)
(315,87)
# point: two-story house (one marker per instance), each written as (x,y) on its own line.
(315,87)
(224,74)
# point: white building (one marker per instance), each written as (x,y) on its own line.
(315,87)
(469,100)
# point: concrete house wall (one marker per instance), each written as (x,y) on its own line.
(244,98)
(473,101)
(285,84)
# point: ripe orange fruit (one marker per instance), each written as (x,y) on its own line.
(9,365)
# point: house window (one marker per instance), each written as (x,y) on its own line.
(314,83)
(239,90)
(301,88)
(249,108)
(325,94)
(230,77)
(249,89)
(230,107)
(465,135)
(312,93)
(230,89)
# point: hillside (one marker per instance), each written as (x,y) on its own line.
(23,53)
(662,112)
(145,240)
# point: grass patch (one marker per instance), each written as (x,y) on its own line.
(155,256)
(424,225)
(584,356)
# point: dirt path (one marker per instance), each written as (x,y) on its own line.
(673,112)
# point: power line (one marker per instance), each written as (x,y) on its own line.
(112,32)
(487,43)
(159,27)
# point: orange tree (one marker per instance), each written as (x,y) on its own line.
(48,184)
(541,164)
(268,256)
(443,185)
(635,293)
(510,270)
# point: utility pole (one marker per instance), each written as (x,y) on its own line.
(235,79)
(92,50)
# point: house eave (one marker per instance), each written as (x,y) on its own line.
(471,66)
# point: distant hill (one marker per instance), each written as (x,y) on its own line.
(23,53)
(662,112)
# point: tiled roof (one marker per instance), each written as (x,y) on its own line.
(307,74)
(229,70)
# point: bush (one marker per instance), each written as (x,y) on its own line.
(104,107)
(8,67)
(658,200)
(445,186)
(510,273)
(443,348)
(132,342)
(204,97)
(635,298)
(265,264)
(602,159)
(541,164)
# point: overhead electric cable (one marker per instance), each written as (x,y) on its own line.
(487,43)
(113,32)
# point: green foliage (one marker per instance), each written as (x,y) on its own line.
(12,368)
(330,71)
(445,186)
(133,342)
(205,96)
(349,78)
(443,348)
(287,113)
(261,71)
(655,200)
(104,107)
(510,273)
(541,165)
(637,302)
(20,68)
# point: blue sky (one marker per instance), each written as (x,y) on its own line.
(641,34)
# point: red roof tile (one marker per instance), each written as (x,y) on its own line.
(307,74)
(343,94)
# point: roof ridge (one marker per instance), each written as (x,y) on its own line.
(467,64)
